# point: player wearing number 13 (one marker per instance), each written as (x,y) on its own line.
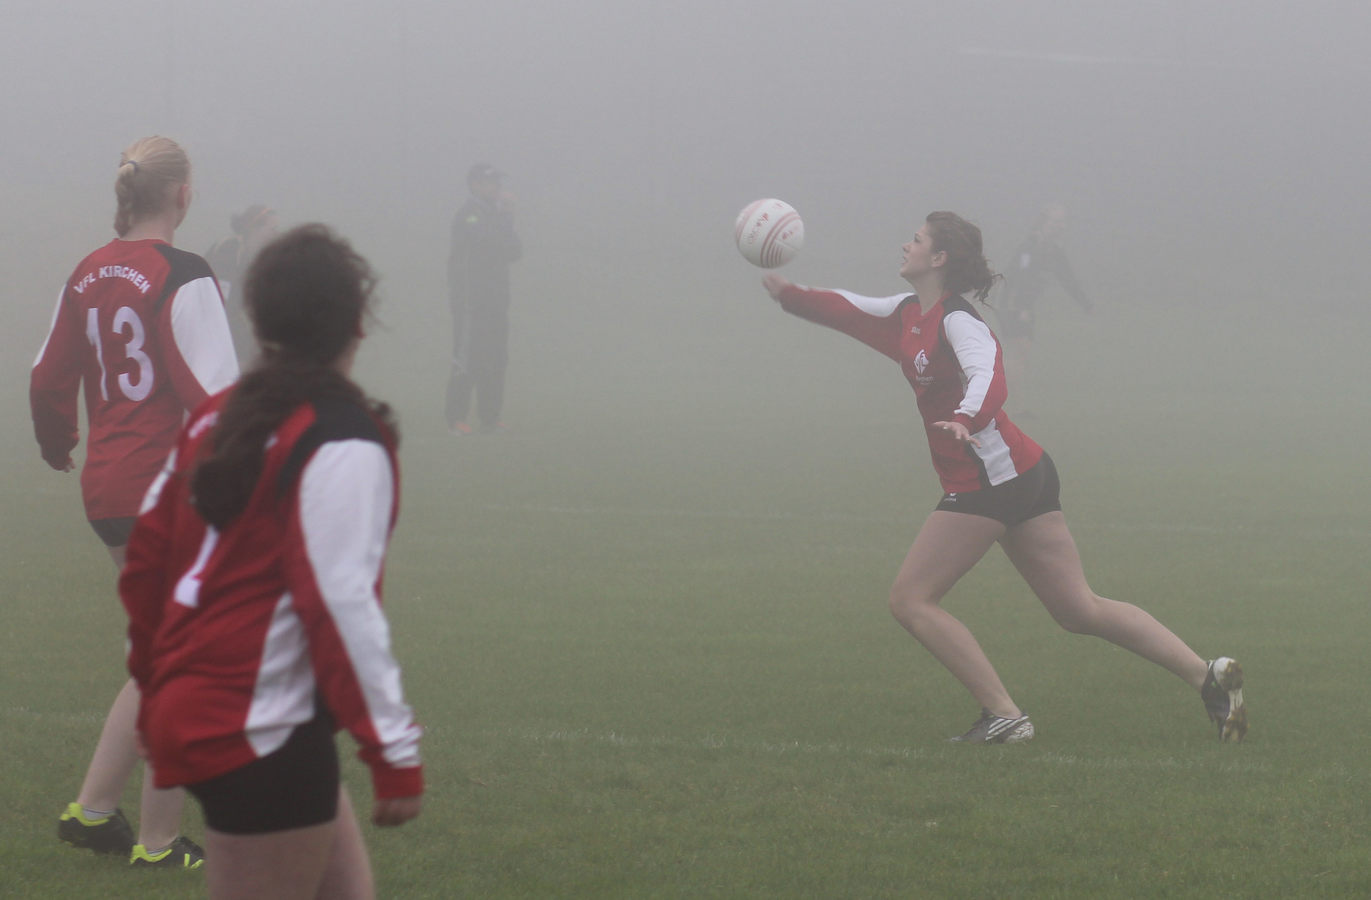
(140,327)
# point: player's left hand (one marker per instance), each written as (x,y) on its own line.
(391,811)
(959,431)
(62,464)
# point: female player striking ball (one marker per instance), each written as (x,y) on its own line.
(999,485)
(253,588)
(141,328)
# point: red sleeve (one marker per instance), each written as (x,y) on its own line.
(336,551)
(54,384)
(871,320)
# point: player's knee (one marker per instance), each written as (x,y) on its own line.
(908,603)
(1081,618)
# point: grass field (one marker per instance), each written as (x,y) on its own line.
(647,629)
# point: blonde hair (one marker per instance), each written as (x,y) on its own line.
(150,171)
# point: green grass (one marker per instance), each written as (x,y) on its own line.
(647,632)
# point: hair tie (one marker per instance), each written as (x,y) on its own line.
(131,162)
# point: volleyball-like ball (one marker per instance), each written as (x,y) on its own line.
(769,233)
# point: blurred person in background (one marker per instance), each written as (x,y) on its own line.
(140,328)
(484,244)
(253,588)
(1038,260)
(999,485)
(230,258)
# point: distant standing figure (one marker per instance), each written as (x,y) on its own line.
(484,245)
(1038,260)
(230,258)
(140,328)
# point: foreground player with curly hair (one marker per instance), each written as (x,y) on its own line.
(253,587)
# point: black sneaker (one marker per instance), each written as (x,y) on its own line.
(1222,696)
(111,834)
(182,853)
(993,729)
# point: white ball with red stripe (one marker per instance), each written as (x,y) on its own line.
(769,233)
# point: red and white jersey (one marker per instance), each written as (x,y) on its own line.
(955,366)
(141,325)
(234,635)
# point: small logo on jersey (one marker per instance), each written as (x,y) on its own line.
(920,362)
(950,498)
(915,329)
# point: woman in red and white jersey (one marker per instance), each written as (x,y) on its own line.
(253,587)
(140,328)
(999,485)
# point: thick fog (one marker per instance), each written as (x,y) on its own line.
(1211,155)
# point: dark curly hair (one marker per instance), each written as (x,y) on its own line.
(306,292)
(967,269)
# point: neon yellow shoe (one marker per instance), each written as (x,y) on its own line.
(182,853)
(110,834)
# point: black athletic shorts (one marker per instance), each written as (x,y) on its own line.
(1015,501)
(295,787)
(114,532)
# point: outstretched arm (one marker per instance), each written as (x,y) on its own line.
(871,320)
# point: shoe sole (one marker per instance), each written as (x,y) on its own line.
(100,846)
(1228,676)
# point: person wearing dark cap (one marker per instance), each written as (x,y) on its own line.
(484,245)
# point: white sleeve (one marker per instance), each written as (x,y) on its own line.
(881,307)
(974,346)
(347,496)
(201,330)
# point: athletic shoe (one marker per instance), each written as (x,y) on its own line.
(1222,696)
(993,729)
(460,429)
(183,853)
(110,834)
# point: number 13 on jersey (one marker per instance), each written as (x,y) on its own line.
(127,335)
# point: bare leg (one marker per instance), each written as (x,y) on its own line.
(159,813)
(348,875)
(281,865)
(1045,554)
(946,548)
(116,753)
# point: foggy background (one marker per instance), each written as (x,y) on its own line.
(1214,166)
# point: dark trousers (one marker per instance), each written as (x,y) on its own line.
(480,354)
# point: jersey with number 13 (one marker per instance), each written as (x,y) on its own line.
(141,326)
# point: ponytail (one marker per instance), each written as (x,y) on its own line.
(150,171)
(967,270)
